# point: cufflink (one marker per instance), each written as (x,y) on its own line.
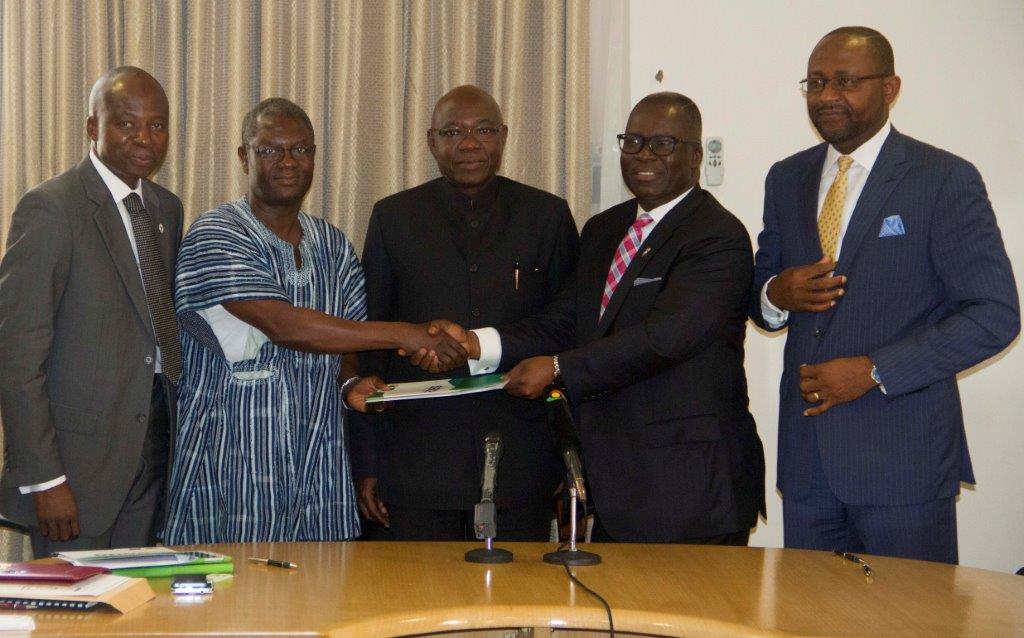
(875,376)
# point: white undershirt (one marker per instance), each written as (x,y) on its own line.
(239,340)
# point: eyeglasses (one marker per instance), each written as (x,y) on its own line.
(276,153)
(662,145)
(841,83)
(482,133)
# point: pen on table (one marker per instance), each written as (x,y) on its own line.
(274,563)
(515,274)
(853,558)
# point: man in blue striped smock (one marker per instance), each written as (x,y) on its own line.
(268,298)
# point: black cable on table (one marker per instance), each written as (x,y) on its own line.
(607,607)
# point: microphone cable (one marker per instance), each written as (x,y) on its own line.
(599,597)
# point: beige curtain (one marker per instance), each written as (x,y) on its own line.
(367,72)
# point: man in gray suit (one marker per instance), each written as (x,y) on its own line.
(89,350)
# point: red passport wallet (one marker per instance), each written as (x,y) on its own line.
(47,572)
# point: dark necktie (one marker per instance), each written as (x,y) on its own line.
(158,290)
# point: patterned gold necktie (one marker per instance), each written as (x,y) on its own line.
(831,218)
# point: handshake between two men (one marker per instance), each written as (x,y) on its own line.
(442,345)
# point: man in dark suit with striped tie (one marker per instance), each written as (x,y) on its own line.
(882,256)
(88,337)
(649,345)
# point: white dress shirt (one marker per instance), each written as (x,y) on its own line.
(490,340)
(864,157)
(118,190)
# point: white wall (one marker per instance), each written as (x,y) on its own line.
(963,90)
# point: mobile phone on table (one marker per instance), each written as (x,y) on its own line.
(191,584)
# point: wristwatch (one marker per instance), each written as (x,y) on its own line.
(874,375)
(558,369)
(344,388)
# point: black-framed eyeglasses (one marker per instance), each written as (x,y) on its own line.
(631,144)
(481,133)
(841,83)
(276,153)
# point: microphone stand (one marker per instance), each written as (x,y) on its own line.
(572,556)
(567,441)
(485,523)
(486,527)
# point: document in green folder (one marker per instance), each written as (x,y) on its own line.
(439,388)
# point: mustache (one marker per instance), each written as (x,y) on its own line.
(831,108)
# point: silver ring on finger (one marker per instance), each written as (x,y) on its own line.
(817,397)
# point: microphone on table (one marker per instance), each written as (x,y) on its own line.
(567,442)
(485,524)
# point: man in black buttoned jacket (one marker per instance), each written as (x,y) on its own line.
(482,250)
(653,360)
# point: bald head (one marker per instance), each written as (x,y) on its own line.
(876,46)
(461,97)
(467,138)
(117,82)
(676,105)
(127,123)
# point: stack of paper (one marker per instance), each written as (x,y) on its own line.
(120,592)
(152,562)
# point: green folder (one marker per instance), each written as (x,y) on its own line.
(224,566)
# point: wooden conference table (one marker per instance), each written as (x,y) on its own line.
(399,589)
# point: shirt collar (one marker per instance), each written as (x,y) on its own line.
(659,212)
(864,155)
(118,189)
(482,200)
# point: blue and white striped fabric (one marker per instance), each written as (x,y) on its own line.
(260,453)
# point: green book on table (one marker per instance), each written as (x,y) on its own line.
(219,565)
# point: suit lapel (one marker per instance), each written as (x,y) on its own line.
(889,169)
(161,225)
(648,249)
(807,206)
(112,230)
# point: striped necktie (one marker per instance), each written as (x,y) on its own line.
(623,255)
(158,290)
(831,218)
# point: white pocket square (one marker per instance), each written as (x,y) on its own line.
(639,281)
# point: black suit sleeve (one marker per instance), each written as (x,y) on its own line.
(705,295)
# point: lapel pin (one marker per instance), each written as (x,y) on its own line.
(160,227)
(646,250)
